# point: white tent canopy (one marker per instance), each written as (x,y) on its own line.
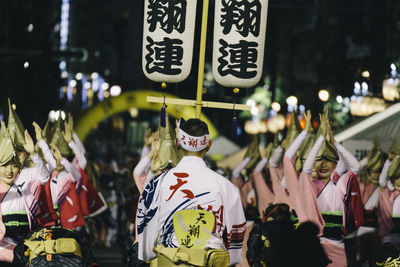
(223,146)
(385,125)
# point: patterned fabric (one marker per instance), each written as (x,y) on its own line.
(354,209)
(90,199)
(64,195)
(52,217)
(190,185)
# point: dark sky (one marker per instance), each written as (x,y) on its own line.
(310,44)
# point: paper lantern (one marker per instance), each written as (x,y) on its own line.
(168,34)
(239,38)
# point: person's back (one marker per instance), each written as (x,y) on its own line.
(191,185)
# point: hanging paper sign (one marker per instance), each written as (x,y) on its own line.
(239,37)
(168,33)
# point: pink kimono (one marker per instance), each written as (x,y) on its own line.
(389,207)
(386,212)
(276,171)
(289,168)
(23,196)
(315,198)
(265,196)
(238,181)
(280,194)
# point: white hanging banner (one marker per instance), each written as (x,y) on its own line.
(168,33)
(239,37)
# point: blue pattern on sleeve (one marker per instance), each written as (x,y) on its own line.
(145,212)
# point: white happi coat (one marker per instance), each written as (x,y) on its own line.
(190,185)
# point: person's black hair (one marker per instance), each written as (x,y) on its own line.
(279,211)
(308,251)
(278,243)
(194,127)
(270,243)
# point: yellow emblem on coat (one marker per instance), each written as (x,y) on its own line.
(193,228)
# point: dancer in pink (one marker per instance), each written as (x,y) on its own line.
(321,198)
(289,161)
(20,189)
(276,163)
(242,175)
(265,195)
(389,201)
(368,241)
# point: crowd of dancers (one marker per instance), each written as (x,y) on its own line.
(301,201)
(46,195)
(308,201)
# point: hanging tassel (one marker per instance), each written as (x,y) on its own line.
(234,127)
(162,116)
(234,119)
(162,113)
(234,123)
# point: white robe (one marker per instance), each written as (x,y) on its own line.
(201,189)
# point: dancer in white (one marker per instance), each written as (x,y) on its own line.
(191,185)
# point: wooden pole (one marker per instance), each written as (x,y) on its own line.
(202,55)
(190,102)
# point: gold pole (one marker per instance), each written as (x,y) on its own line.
(190,102)
(202,55)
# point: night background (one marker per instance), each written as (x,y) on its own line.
(310,45)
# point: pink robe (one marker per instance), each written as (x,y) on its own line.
(244,191)
(306,202)
(6,246)
(280,194)
(366,191)
(291,177)
(264,195)
(240,183)
(31,192)
(335,253)
(308,210)
(385,211)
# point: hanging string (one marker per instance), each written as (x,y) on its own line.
(163,111)
(234,123)
(234,119)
